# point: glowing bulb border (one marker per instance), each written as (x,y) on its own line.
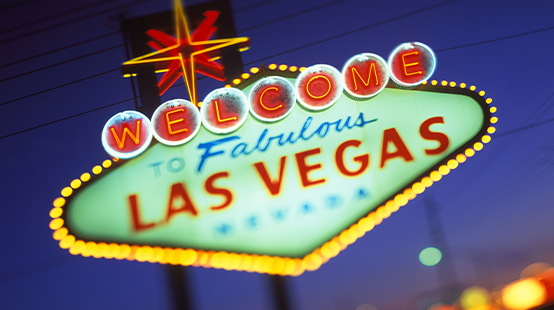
(275,265)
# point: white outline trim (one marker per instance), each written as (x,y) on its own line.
(395,51)
(270,120)
(220,131)
(112,152)
(187,139)
(369,55)
(336,75)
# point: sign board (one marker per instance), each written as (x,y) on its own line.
(274,197)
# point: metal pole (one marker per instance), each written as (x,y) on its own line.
(280,294)
(445,269)
(128,56)
(179,287)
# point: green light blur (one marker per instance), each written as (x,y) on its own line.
(430,256)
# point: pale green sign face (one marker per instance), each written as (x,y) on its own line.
(281,188)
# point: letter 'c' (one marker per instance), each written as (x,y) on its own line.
(262,103)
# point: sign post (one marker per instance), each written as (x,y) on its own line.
(135,32)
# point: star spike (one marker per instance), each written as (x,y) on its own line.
(188,54)
(181,22)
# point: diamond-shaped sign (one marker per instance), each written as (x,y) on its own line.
(275,197)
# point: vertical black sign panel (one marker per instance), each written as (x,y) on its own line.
(134,30)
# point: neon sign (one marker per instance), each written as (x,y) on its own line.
(285,190)
(316,88)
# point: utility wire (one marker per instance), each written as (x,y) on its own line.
(55,16)
(386,21)
(63,62)
(59,86)
(66,118)
(496,40)
(311,9)
(334,37)
(239,10)
(302,12)
(359,29)
(15,5)
(509,132)
(109,34)
(523,128)
(75,20)
(254,6)
(508,143)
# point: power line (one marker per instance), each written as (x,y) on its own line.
(507,144)
(66,118)
(386,21)
(302,12)
(496,40)
(254,6)
(75,20)
(109,34)
(16,4)
(55,16)
(110,48)
(523,128)
(59,86)
(246,8)
(509,132)
(121,45)
(62,62)
(321,41)
(331,38)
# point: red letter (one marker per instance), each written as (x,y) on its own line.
(304,169)
(371,68)
(427,134)
(126,131)
(362,159)
(210,188)
(274,187)
(391,135)
(135,214)
(178,191)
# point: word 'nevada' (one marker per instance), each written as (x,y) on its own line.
(271,99)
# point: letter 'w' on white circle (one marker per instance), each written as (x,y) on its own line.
(364,76)
(175,122)
(126,134)
(318,87)
(224,110)
(272,99)
(410,64)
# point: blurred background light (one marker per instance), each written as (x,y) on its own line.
(430,256)
(523,294)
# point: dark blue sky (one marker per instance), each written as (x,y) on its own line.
(496,206)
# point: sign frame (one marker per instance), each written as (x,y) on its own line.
(249,262)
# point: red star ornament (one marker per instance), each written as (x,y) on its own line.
(187,54)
